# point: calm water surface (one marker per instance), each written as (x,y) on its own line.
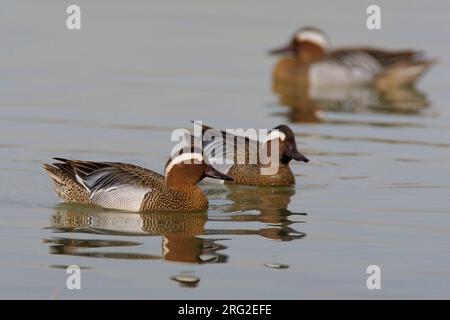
(376,190)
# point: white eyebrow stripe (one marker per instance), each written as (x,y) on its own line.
(276,134)
(313,37)
(181,158)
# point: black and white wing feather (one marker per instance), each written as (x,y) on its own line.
(224,149)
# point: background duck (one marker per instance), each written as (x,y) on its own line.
(128,187)
(247,173)
(313,62)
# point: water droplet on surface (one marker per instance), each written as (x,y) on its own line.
(276,265)
(186,280)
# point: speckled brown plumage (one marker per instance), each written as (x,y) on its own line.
(188,200)
(250,174)
(66,186)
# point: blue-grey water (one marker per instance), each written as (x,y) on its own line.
(376,191)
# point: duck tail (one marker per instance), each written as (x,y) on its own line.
(403,74)
(65,184)
(53,172)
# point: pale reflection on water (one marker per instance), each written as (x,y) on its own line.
(307,105)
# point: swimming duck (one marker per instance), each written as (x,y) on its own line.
(311,61)
(128,187)
(247,173)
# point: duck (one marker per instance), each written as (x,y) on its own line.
(310,60)
(123,186)
(243,172)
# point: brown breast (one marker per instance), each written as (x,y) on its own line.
(165,199)
(251,175)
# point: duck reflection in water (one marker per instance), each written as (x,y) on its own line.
(306,105)
(179,231)
(183,234)
(267,205)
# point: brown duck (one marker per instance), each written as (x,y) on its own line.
(250,173)
(311,61)
(128,187)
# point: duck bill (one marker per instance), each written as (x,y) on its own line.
(294,154)
(211,172)
(290,48)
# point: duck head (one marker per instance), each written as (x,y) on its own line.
(187,169)
(286,143)
(307,44)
